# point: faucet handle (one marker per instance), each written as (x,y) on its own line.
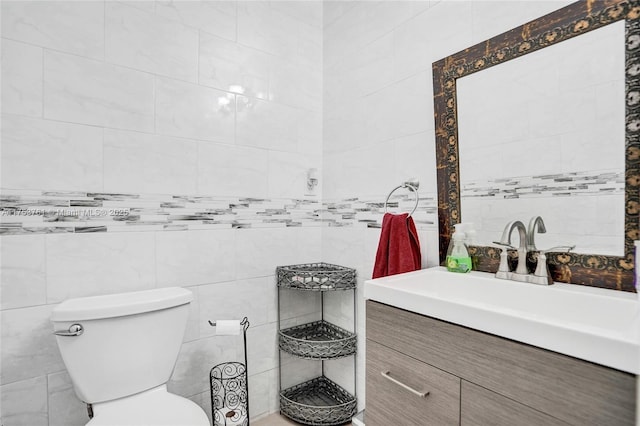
(503,270)
(563,249)
(541,267)
(542,275)
(503,245)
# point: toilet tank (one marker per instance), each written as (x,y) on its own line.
(130,341)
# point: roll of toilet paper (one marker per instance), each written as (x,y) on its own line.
(232,417)
(227,327)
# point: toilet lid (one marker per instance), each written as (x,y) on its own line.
(155,407)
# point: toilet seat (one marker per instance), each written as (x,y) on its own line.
(154,407)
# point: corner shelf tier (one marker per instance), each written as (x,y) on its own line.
(318,340)
(318,402)
(316,277)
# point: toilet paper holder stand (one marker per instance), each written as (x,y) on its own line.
(230,388)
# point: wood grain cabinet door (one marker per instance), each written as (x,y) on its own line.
(481,407)
(393,383)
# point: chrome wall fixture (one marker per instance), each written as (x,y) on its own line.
(412,185)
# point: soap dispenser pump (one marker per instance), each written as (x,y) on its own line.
(458,259)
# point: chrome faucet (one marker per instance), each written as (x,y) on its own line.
(527,244)
(521,269)
(535,221)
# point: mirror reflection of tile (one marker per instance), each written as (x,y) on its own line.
(560,136)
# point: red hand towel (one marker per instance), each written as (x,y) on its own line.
(399,248)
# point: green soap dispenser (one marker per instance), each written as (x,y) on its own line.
(458,259)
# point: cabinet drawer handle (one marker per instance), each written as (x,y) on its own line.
(386,375)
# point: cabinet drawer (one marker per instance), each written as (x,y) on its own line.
(390,403)
(575,391)
(481,407)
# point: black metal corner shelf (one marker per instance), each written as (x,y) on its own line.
(319,276)
(318,340)
(319,401)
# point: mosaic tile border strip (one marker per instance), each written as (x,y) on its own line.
(350,212)
(556,185)
(48,212)
(23,212)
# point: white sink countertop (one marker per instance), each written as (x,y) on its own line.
(593,324)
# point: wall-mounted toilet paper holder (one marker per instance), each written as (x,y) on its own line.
(244,323)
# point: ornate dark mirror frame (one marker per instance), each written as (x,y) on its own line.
(615,272)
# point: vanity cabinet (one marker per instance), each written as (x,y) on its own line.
(481,407)
(498,381)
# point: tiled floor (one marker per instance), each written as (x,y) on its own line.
(276,420)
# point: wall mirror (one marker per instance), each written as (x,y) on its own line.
(526,125)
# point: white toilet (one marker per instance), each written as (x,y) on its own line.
(120,351)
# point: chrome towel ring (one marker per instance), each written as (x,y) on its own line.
(411,185)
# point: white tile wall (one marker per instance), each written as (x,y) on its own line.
(345,33)
(73,27)
(22,78)
(191,111)
(309,12)
(299,304)
(216,18)
(262,347)
(263,396)
(25,402)
(147,6)
(149,164)
(140,40)
(42,154)
(194,257)
(224,64)
(299,370)
(344,127)
(263,27)
(288,173)
(247,165)
(191,373)
(88,91)
(310,131)
(91,264)
(362,171)
(258,125)
(372,68)
(297,83)
(259,251)
(192,331)
(253,298)
(22,260)
(29,349)
(400,109)
(64,407)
